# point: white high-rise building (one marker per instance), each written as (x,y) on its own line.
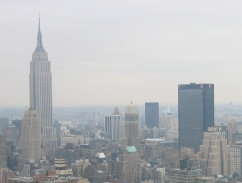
(112,125)
(40,84)
(31,136)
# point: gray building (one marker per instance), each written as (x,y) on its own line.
(112,125)
(4,122)
(152,114)
(40,84)
(195,113)
(3,151)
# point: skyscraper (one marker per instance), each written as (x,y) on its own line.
(152,114)
(216,157)
(40,84)
(132,126)
(31,136)
(112,125)
(131,165)
(195,113)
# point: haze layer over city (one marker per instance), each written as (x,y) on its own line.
(121,91)
(111,52)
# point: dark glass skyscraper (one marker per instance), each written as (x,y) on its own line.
(152,114)
(195,113)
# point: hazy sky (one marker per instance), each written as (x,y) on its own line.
(113,51)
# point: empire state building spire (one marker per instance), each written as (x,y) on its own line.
(40,84)
(39,46)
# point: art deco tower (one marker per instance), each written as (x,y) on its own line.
(40,85)
(132,126)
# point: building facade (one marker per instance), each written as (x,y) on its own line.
(152,114)
(216,157)
(237,150)
(189,176)
(112,125)
(131,126)
(40,85)
(131,165)
(3,151)
(31,136)
(195,113)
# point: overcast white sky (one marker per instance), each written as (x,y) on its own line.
(113,51)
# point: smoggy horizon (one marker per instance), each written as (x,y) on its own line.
(109,53)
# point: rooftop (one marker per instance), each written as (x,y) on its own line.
(131,149)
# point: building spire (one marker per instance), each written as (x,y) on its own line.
(39,22)
(39,46)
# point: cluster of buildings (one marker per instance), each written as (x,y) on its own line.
(188,148)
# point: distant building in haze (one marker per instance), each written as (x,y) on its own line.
(152,114)
(4,122)
(195,113)
(18,124)
(112,125)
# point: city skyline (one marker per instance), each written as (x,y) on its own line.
(169,70)
(162,43)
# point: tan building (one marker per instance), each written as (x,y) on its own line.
(31,136)
(131,165)
(215,155)
(131,126)
(61,168)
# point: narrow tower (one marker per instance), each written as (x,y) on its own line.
(40,84)
(132,125)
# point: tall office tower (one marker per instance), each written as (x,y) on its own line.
(131,126)
(112,125)
(131,165)
(216,157)
(152,114)
(195,113)
(31,136)
(40,84)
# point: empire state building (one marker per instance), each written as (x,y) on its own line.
(40,85)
